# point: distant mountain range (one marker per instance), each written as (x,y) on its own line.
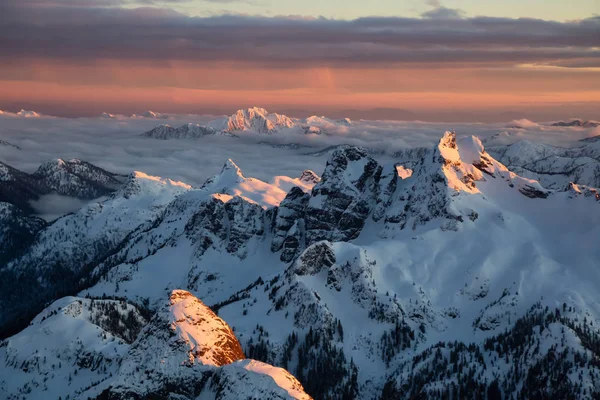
(254,119)
(578,122)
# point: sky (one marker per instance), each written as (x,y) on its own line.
(452,60)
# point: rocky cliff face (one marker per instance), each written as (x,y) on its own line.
(341,202)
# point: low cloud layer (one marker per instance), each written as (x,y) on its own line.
(115,144)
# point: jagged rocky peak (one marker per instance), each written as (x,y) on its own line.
(210,340)
(288,224)
(182,340)
(232,181)
(342,200)
(258,120)
(315,258)
(188,352)
(437,179)
(229,176)
(231,167)
(309,176)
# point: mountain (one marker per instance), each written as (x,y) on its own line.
(554,167)
(366,282)
(17,230)
(187,131)
(28,114)
(330,149)
(578,123)
(253,119)
(62,256)
(100,344)
(151,115)
(77,178)
(19,188)
(73,178)
(231,181)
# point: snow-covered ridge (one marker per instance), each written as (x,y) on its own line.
(554,167)
(85,348)
(187,131)
(388,281)
(255,119)
(232,181)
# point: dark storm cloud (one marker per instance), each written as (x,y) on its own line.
(40,29)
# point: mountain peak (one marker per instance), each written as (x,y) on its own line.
(230,165)
(309,176)
(28,114)
(258,120)
(210,340)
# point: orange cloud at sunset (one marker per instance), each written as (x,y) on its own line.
(91,88)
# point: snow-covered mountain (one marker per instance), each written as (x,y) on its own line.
(442,274)
(94,348)
(253,119)
(554,167)
(578,123)
(77,178)
(74,178)
(187,131)
(150,114)
(28,114)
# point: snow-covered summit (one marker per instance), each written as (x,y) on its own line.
(232,181)
(28,114)
(253,119)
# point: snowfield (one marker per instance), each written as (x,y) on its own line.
(462,269)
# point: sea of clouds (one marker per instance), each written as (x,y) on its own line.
(116,145)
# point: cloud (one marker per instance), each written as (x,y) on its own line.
(158,35)
(115,144)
